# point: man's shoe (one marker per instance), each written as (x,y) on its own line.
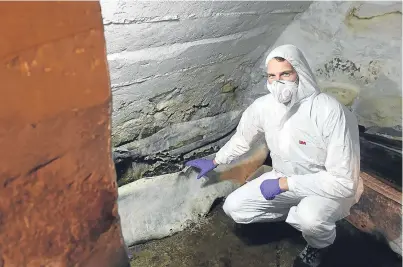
(310,257)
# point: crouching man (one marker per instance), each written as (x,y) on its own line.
(314,146)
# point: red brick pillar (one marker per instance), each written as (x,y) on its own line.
(57,179)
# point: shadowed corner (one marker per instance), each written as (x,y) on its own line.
(256,234)
(358,248)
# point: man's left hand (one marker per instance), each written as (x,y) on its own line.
(272,187)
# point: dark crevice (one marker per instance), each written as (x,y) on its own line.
(142,21)
(161,96)
(87,177)
(162,162)
(381,157)
(353,14)
(391,143)
(216,204)
(200,106)
(278,255)
(125,142)
(9,180)
(122,167)
(39,166)
(106,218)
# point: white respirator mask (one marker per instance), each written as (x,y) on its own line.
(283,91)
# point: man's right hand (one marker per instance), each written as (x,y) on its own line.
(204,165)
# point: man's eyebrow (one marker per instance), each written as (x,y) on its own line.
(286,71)
(283,72)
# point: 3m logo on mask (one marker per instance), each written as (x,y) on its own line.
(302,142)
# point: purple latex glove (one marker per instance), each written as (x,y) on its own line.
(204,165)
(270,188)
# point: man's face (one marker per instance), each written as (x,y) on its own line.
(283,70)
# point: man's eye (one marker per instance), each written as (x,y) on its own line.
(286,74)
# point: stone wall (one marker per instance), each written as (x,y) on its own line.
(58,186)
(354,49)
(179,73)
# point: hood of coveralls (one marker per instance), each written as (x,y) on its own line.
(307,85)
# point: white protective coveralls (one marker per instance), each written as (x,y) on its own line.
(314,143)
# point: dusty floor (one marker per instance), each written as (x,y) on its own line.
(221,243)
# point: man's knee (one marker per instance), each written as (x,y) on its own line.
(231,206)
(311,224)
(315,219)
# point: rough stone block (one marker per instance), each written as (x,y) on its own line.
(57,180)
(173,202)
